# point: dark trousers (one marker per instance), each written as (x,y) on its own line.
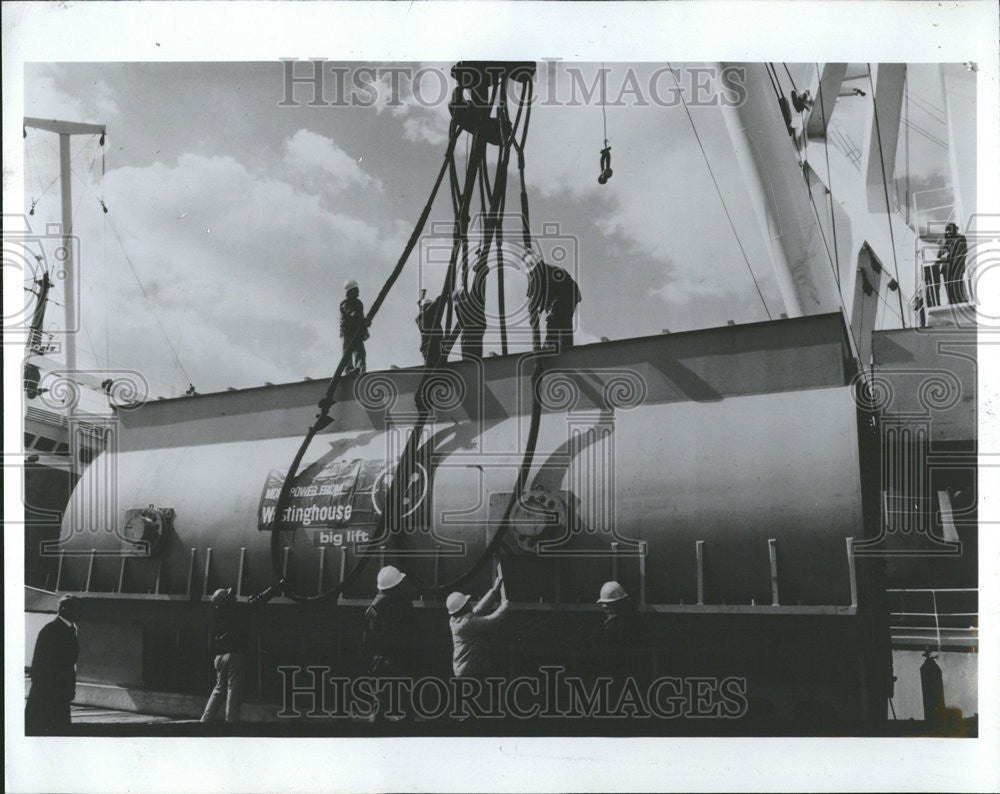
(955,284)
(932,285)
(472,343)
(430,348)
(45,714)
(559,327)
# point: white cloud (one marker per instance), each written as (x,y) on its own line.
(245,267)
(45,100)
(310,152)
(428,127)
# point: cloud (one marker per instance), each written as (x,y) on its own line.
(428,127)
(310,152)
(247,268)
(46,100)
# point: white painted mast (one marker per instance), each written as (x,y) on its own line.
(66,129)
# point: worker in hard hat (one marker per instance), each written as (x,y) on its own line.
(353,329)
(619,636)
(429,322)
(470,630)
(554,293)
(229,642)
(53,671)
(386,640)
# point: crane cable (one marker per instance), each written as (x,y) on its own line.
(718,190)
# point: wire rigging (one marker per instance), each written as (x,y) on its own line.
(718,190)
(829,180)
(149,300)
(885,189)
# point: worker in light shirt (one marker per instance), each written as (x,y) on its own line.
(471,629)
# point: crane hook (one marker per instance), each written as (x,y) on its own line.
(606,171)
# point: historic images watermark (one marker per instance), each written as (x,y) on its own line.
(315,692)
(319,82)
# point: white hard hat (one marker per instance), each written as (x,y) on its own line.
(611,592)
(424,302)
(389,577)
(222,595)
(350,284)
(456,601)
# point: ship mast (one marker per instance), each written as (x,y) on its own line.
(66,129)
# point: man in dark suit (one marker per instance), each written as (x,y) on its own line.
(53,672)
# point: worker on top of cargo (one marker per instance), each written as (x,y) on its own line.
(53,672)
(951,259)
(619,637)
(429,322)
(387,637)
(552,291)
(353,329)
(230,644)
(470,630)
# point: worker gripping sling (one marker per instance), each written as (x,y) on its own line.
(322,419)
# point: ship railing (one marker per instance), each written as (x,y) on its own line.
(942,618)
(94,429)
(202,579)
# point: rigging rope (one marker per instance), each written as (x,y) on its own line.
(885,189)
(718,190)
(829,179)
(152,307)
(604,101)
(792,79)
(399,480)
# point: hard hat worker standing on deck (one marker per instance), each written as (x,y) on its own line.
(353,329)
(553,292)
(619,643)
(470,630)
(387,637)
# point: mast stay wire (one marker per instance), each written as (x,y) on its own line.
(885,190)
(86,187)
(829,182)
(149,302)
(718,190)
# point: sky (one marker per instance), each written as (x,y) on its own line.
(233,221)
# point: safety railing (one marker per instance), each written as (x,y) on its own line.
(938,618)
